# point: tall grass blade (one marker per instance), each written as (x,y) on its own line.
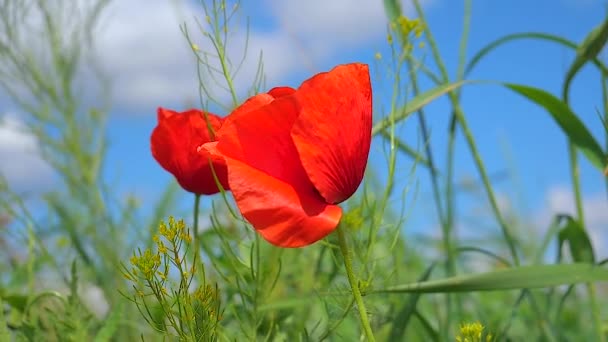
(408,311)
(4,334)
(539,276)
(416,103)
(526,35)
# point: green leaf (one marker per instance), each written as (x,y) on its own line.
(588,50)
(17,302)
(416,103)
(570,124)
(577,238)
(524,277)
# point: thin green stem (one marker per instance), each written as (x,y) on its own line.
(487,185)
(220,48)
(576,183)
(574,168)
(354,284)
(460,118)
(462,60)
(462,50)
(196,242)
(450,267)
(605,102)
(595,313)
(580,214)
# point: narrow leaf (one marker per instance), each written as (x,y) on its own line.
(570,124)
(17,302)
(525,277)
(405,148)
(578,240)
(588,50)
(416,103)
(4,334)
(407,312)
(526,35)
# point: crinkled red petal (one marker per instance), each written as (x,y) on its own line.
(333,131)
(286,215)
(266,177)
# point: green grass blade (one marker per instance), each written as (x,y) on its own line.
(406,149)
(526,35)
(416,103)
(588,50)
(407,312)
(538,276)
(570,124)
(17,302)
(4,334)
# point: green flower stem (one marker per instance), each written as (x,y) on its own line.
(195,242)
(354,284)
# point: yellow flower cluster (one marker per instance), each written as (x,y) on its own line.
(176,229)
(166,276)
(404,28)
(147,263)
(472,332)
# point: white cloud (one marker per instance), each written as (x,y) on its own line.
(21,166)
(141,47)
(148,59)
(95,300)
(330,25)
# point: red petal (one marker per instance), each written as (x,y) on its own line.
(174,144)
(269,184)
(286,215)
(281,91)
(163,113)
(333,131)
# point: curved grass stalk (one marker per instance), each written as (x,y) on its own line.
(354,284)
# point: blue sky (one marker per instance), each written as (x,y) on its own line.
(150,65)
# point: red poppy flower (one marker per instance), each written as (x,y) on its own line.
(292,155)
(174,144)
